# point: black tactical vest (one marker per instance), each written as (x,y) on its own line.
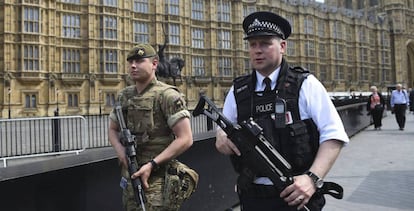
(298,142)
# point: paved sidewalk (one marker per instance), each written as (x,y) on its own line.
(376,169)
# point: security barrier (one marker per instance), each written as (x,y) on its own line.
(42,136)
(45,136)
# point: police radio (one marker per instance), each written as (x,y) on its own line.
(280,113)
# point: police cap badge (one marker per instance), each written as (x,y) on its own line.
(266,24)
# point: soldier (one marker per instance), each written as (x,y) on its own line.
(293,108)
(157,115)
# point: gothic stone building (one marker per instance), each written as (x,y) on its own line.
(70,54)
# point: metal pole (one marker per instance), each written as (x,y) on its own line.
(9,93)
(57,102)
(100,109)
(56,126)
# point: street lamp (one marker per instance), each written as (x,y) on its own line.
(9,94)
(57,102)
(100,95)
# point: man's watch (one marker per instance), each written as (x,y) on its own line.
(316,179)
(154,165)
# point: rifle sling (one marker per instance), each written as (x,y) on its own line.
(246,177)
(332,189)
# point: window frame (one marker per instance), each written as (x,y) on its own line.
(224,65)
(197,9)
(198,66)
(73,100)
(141,32)
(31,58)
(224,39)
(30,100)
(109,27)
(31,17)
(197,38)
(141,6)
(72,29)
(71,60)
(109,61)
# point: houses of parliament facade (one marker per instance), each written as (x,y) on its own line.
(70,55)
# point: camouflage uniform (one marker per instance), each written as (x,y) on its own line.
(150,116)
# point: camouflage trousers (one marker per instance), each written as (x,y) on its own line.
(154,195)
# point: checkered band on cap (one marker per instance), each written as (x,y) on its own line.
(264,23)
(266,26)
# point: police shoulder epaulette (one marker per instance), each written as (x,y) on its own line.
(299,69)
(241,83)
(241,78)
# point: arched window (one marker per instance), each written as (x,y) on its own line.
(34,104)
(75,100)
(30,101)
(112,99)
(27,101)
(108,99)
(70,100)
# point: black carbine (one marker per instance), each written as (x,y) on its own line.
(128,140)
(256,151)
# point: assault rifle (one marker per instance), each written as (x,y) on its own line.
(128,140)
(256,151)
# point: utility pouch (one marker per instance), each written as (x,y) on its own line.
(180,183)
(140,114)
(298,128)
(301,145)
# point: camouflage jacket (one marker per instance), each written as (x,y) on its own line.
(150,116)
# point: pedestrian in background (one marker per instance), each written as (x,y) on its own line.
(375,107)
(399,104)
(271,80)
(411,98)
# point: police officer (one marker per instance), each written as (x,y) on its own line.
(256,96)
(156,114)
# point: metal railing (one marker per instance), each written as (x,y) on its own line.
(98,131)
(42,136)
(45,136)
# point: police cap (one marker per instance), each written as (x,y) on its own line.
(266,24)
(141,51)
